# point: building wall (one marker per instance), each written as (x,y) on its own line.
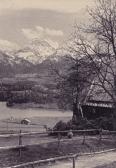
(91,112)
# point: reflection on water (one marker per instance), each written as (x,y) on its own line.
(6,112)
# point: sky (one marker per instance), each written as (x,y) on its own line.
(22,21)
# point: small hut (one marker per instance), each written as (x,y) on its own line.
(25,121)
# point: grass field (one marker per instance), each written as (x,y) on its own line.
(37,124)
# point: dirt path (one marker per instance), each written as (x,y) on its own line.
(88,161)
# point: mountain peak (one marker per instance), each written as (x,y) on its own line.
(36,51)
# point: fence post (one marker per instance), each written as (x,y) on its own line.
(7,125)
(73,162)
(32,166)
(100,135)
(83,139)
(59,138)
(20,143)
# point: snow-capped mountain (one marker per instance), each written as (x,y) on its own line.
(33,58)
(9,64)
(36,51)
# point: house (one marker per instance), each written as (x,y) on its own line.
(97,102)
(25,121)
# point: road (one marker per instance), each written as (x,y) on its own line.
(87,161)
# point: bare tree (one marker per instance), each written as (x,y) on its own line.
(72,77)
(97,42)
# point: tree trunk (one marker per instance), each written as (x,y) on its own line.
(114,117)
(114,104)
(77,112)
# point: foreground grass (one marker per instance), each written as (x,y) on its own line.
(111,165)
(48,150)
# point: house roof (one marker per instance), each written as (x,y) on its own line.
(97,95)
(97,104)
(25,119)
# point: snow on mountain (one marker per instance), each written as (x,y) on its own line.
(8,46)
(5,58)
(34,57)
(36,51)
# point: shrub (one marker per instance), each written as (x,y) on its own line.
(80,125)
(60,126)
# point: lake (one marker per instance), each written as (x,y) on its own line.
(9,112)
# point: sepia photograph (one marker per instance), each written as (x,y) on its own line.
(57,83)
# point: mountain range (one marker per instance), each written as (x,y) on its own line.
(36,57)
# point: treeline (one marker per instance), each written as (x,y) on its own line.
(25,92)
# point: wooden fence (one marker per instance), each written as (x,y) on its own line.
(84,136)
(59,139)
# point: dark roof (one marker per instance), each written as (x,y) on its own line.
(97,95)
(27,120)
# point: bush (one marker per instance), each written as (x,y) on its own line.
(83,124)
(106,123)
(60,126)
(80,125)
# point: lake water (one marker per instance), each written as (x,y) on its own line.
(6,112)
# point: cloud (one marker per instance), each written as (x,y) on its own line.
(40,32)
(49,32)
(43,34)
(31,34)
(67,6)
(52,32)
(40,29)
(6,45)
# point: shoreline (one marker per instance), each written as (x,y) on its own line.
(38,106)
